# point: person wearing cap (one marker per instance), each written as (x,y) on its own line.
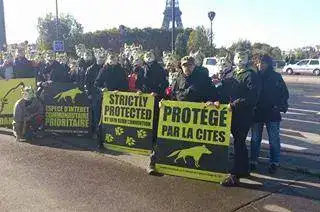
(152,79)
(272,100)
(27,115)
(192,84)
(243,94)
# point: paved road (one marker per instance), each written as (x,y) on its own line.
(44,178)
(300,128)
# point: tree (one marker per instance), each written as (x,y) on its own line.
(244,44)
(70,31)
(198,40)
(181,45)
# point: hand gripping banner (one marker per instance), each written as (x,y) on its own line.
(193,140)
(127,122)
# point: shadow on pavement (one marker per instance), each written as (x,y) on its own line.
(283,182)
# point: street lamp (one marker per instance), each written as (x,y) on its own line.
(173,23)
(211,16)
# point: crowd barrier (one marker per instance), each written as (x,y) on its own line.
(192,140)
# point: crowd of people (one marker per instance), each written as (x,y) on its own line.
(253,91)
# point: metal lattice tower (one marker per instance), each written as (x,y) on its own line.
(2,26)
(167,19)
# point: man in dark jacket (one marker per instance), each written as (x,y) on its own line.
(84,63)
(22,67)
(52,71)
(94,94)
(272,100)
(244,89)
(193,84)
(112,77)
(152,79)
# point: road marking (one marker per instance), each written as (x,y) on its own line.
(294,113)
(304,110)
(318,97)
(283,145)
(313,103)
(297,120)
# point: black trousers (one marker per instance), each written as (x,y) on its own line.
(239,128)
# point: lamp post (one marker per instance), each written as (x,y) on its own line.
(173,23)
(2,27)
(211,16)
(57,20)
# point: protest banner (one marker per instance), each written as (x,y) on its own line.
(67,109)
(10,93)
(193,140)
(127,122)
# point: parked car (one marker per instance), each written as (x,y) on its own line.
(210,64)
(307,66)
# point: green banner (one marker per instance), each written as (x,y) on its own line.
(67,109)
(10,93)
(193,140)
(127,122)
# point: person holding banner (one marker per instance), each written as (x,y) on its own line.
(94,94)
(243,89)
(27,115)
(152,79)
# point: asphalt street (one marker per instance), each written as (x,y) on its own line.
(65,174)
(51,175)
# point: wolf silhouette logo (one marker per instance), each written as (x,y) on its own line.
(70,93)
(195,152)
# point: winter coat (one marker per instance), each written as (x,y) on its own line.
(22,68)
(112,77)
(57,72)
(272,99)
(90,77)
(194,88)
(152,78)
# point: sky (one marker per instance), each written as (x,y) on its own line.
(284,23)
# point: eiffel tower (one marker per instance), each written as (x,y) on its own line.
(2,26)
(167,19)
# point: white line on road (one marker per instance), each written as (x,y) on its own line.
(297,120)
(313,103)
(304,110)
(294,113)
(285,146)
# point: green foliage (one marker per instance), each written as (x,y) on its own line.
(198,40)
(70,31)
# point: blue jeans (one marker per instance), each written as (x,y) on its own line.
(273,129)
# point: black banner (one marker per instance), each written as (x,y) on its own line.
(67,109)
